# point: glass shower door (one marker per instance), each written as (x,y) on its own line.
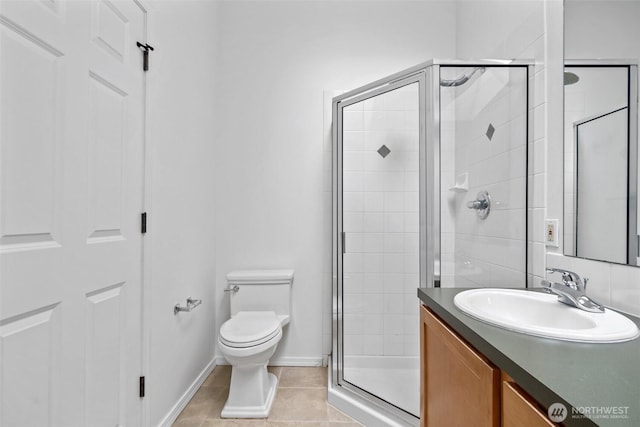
(483,173)
(379,335)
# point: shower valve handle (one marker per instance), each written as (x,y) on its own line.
(477,204)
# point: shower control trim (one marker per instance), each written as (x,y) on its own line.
(482,204)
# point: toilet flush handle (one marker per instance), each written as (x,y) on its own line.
(235,289)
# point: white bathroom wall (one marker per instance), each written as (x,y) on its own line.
(180,243)
(604,30)
(272,169)
(501,29)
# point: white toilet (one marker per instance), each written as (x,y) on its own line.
(260,306)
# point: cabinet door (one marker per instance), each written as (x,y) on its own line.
(459,387)
(519,410)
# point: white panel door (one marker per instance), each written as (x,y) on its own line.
(71,194)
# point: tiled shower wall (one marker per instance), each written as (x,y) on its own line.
(380,204)
(484,143)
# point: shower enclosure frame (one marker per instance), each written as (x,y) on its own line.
(344,395)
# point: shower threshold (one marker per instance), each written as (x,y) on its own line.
(367,409)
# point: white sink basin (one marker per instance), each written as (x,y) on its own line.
(542,315)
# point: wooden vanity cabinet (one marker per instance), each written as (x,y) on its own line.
(460,385)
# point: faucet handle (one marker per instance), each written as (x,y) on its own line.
(566,274)
(569,278)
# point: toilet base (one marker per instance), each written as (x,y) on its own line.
(238,406)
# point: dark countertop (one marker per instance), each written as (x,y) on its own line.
(579,375)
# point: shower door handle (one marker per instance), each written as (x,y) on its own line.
(344,242)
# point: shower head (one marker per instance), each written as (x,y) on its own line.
(460,80)
(570,78)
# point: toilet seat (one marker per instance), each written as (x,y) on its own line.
(249,329)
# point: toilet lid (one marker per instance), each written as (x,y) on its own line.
(249,328)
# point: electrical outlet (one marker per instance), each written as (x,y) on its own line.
(551,232)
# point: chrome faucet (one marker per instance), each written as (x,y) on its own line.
(572,290)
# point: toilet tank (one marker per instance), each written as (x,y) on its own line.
(261,290)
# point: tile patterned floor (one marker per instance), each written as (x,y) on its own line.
(301,400)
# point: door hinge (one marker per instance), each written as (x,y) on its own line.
(344,242)
(145,48)
(141,386)
(143,222)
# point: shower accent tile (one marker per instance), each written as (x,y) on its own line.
(490,131)
(384,151)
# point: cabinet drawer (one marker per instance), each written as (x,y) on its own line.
(519,410)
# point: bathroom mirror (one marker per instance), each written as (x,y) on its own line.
(601,129)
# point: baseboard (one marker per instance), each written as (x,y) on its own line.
(283,361)
(170,418)
(296,361)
